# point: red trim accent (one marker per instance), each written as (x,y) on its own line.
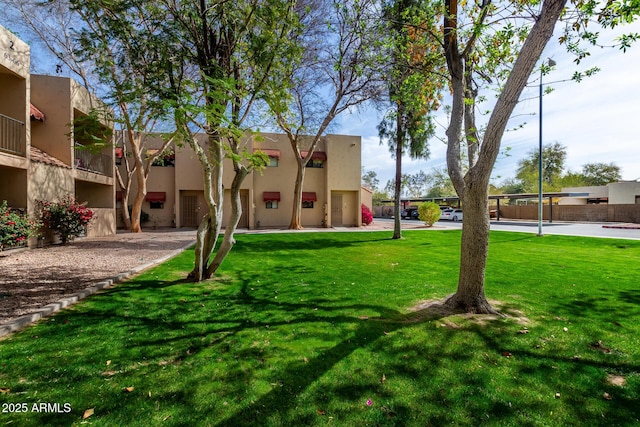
(317,155)
(36,114)
(155,196)
(309,196)
(270,196)
(271,153)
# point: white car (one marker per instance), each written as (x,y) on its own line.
(456,215)
(446,213)
(451,214)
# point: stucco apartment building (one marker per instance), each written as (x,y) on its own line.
(331,191)
(39,156)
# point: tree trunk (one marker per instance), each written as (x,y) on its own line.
(126,218)
(470,296)
(473,187)
(296,224)
(236,212)
(209,228)
(397,213)
(141,182)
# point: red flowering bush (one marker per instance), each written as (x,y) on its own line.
(15,227)
(367,216)
(67,218)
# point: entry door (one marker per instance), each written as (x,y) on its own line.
(244,218)
(336,210)
(189,211)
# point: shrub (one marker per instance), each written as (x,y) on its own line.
(367,216)
(15,227)
(67,218)
(429,212)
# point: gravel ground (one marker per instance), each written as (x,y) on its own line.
(34,278)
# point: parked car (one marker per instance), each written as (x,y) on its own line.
(456,215)
(411,213)
(451,214)
(446,213)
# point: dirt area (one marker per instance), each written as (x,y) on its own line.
(31,279)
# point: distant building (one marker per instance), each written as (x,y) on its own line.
(331,191)
(615,193)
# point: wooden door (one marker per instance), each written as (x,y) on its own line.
(189,211)
(244,218)
(336,210)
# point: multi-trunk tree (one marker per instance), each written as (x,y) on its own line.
(336,73)
(218,67)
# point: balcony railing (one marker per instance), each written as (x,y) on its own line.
(12,136)
(97,163)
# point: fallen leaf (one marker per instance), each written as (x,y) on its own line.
(4,391)
(506,354)
(383,379)
(128,389)
(616,380)
(166,418)
(108,362)
(598,346)
(87,413)
(149,394)
(305,359)
(523,331)
(606,396)
(557,395)
(321,412)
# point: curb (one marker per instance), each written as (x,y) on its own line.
(49,309)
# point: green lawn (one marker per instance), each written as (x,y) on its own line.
(317,329)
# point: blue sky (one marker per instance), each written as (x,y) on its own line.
(595,119)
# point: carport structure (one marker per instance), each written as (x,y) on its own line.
(497,197)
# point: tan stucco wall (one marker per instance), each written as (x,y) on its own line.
(47,182)
(161,178)
(15,55)
(52,96)
(103,223)
(366,198)
(14,90)
(621,193)
(13,187)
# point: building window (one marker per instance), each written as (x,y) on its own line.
(273,162)
(308,204)
(637,200)
(272,204)
(315,163)
(317,159)
(156,205)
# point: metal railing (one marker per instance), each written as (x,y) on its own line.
(12,136)
(90,162)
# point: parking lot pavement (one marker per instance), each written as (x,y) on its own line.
(605,230)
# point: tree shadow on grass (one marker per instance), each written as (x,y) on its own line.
(303,241)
